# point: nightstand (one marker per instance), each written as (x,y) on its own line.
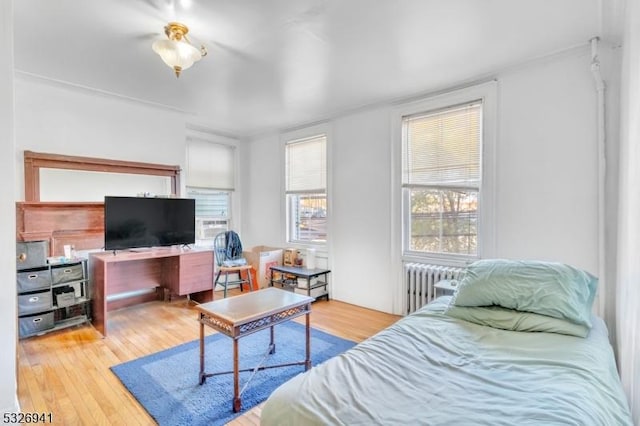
(445,287)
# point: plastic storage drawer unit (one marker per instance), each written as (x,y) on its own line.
(33,280)
(34,302)
(66,273)
(34,324)
(31,254)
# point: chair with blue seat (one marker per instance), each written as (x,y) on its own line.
(229,260)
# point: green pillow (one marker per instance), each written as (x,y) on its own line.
(510,319)
(546,288)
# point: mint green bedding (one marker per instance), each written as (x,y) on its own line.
(509,319)
(432,369)
(546,288)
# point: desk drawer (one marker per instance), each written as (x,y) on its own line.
(34,302)
(196,259)
(33,280)
(66,273)
(35,323)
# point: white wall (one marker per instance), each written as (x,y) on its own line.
(628,292)
(263,174)
(546,190)
(360,234)
(59,119)
(8,325)
(547,163)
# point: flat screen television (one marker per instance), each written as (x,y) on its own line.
(133,222)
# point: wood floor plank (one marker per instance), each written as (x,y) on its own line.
(87,404)
(67,373)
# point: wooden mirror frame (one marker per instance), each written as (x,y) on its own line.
(34,161)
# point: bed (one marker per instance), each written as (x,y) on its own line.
(467,360)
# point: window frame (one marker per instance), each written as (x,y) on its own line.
(487,93)
(291,137)
(291,227)
(199,135)
(227,219)
(406,216)
(408,188)
(220,218)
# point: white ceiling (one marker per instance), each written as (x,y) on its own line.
(274,64)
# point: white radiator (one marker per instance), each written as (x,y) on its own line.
(419,279)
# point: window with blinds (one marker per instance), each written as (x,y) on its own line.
(210,180)
(306,189)
(210,165)
(441,179)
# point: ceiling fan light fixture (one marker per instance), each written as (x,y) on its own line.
(177,52)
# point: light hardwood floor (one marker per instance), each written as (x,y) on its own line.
(67,373)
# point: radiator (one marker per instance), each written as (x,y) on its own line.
(419,279)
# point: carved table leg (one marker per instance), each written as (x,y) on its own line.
(307,360)
(237,402)
(272,343)
(203,378)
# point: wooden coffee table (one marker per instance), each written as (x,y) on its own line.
(240,316)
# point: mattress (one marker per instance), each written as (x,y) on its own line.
(432,369)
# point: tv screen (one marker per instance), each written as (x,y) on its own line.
(131,222)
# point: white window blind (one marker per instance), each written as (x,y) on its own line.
(442,148)
(210,165)
(441,180)
(210,202)
(306,165)
(306,189)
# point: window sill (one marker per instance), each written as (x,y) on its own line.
(321,249)
(438,260)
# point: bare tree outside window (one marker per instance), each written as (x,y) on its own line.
(441,180)
(444,221)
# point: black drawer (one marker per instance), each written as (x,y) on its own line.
(34,324)
(66,273)
(33,280)
(34,302)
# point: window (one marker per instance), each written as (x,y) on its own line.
(211,182)
(306,189)
(441,180)
(212,211)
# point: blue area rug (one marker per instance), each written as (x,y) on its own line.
(166,383)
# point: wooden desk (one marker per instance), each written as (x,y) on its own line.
(241,315)
(181,271)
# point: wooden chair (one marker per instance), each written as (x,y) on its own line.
(230,264)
